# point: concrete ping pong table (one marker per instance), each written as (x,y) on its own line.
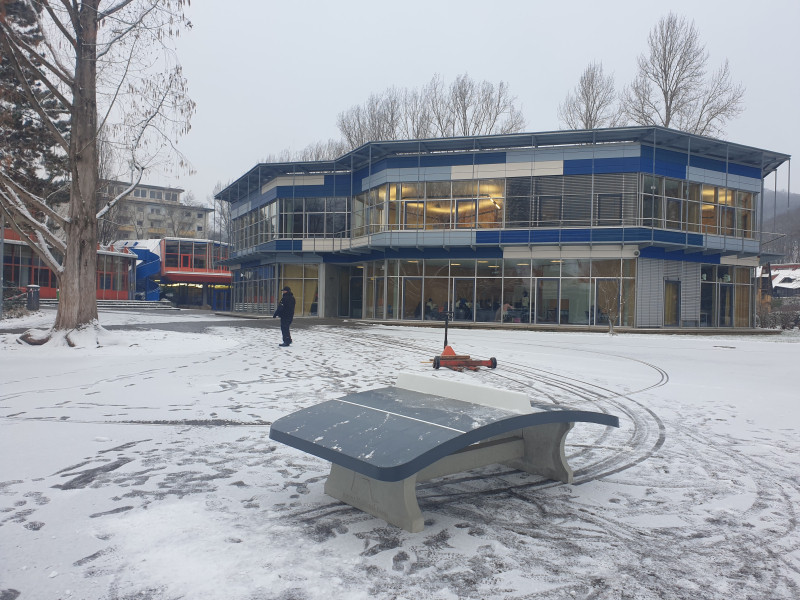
(382,442)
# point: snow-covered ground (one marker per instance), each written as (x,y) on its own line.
(143,469)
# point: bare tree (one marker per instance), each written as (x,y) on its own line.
(463,108)
(108,225)
(109,69)
(472,108)
(673,87)
(609,302)
(179,219)
(593,103)
(222,214)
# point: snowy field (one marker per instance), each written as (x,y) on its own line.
(143,469)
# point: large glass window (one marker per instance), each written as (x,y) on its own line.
(438,214)
(693,208)
(547,306)
(709,216)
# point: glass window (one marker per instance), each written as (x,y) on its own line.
(514,267)
(412,191)
(674,207)
(465,213)
(462,268)
(547,267)
(438,214)
(651,211)
(411,268)
(516,300)
(575,301)
(315,204)
(673,188)
(437,268)
(547,309)
(575,268)
(488,294)
(628,302)
(490,212)
(709,218)
(652,185)
(489,267)
(465,189)
(437,190)
(606,268)
(629,267)
(293,271)
(491,188)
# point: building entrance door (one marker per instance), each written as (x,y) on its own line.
(672,303)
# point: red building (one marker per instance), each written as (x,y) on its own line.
(22,267)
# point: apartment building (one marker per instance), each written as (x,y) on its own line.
(152,211)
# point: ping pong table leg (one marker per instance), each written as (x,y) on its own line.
(544,452)
(393,501)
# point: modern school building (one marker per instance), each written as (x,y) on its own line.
(644,226)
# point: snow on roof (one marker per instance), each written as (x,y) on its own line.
(153,244)
(786,276)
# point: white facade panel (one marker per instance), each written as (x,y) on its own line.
(288,180)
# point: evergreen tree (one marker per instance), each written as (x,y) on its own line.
(27,146)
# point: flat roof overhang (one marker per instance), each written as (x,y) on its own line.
(183,277)
(660,137)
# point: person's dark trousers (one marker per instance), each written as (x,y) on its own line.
(287,337)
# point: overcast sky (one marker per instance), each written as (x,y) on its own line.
(270,76)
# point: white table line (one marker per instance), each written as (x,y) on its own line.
(388,412)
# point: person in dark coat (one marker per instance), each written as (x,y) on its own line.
(286,312)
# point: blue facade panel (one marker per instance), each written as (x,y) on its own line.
(414,254)
(717,165)
(571,236)
(669,237)
(289,245)
(694,257)
(602,165)
(637,234)
(487,237)
(545,236)
(667,163)
(607,235)
(490,158)
(515,236)
(752,172)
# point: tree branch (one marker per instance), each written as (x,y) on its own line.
(70,38)
(18,194)
(109,205)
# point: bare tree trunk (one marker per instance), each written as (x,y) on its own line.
(77,305)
